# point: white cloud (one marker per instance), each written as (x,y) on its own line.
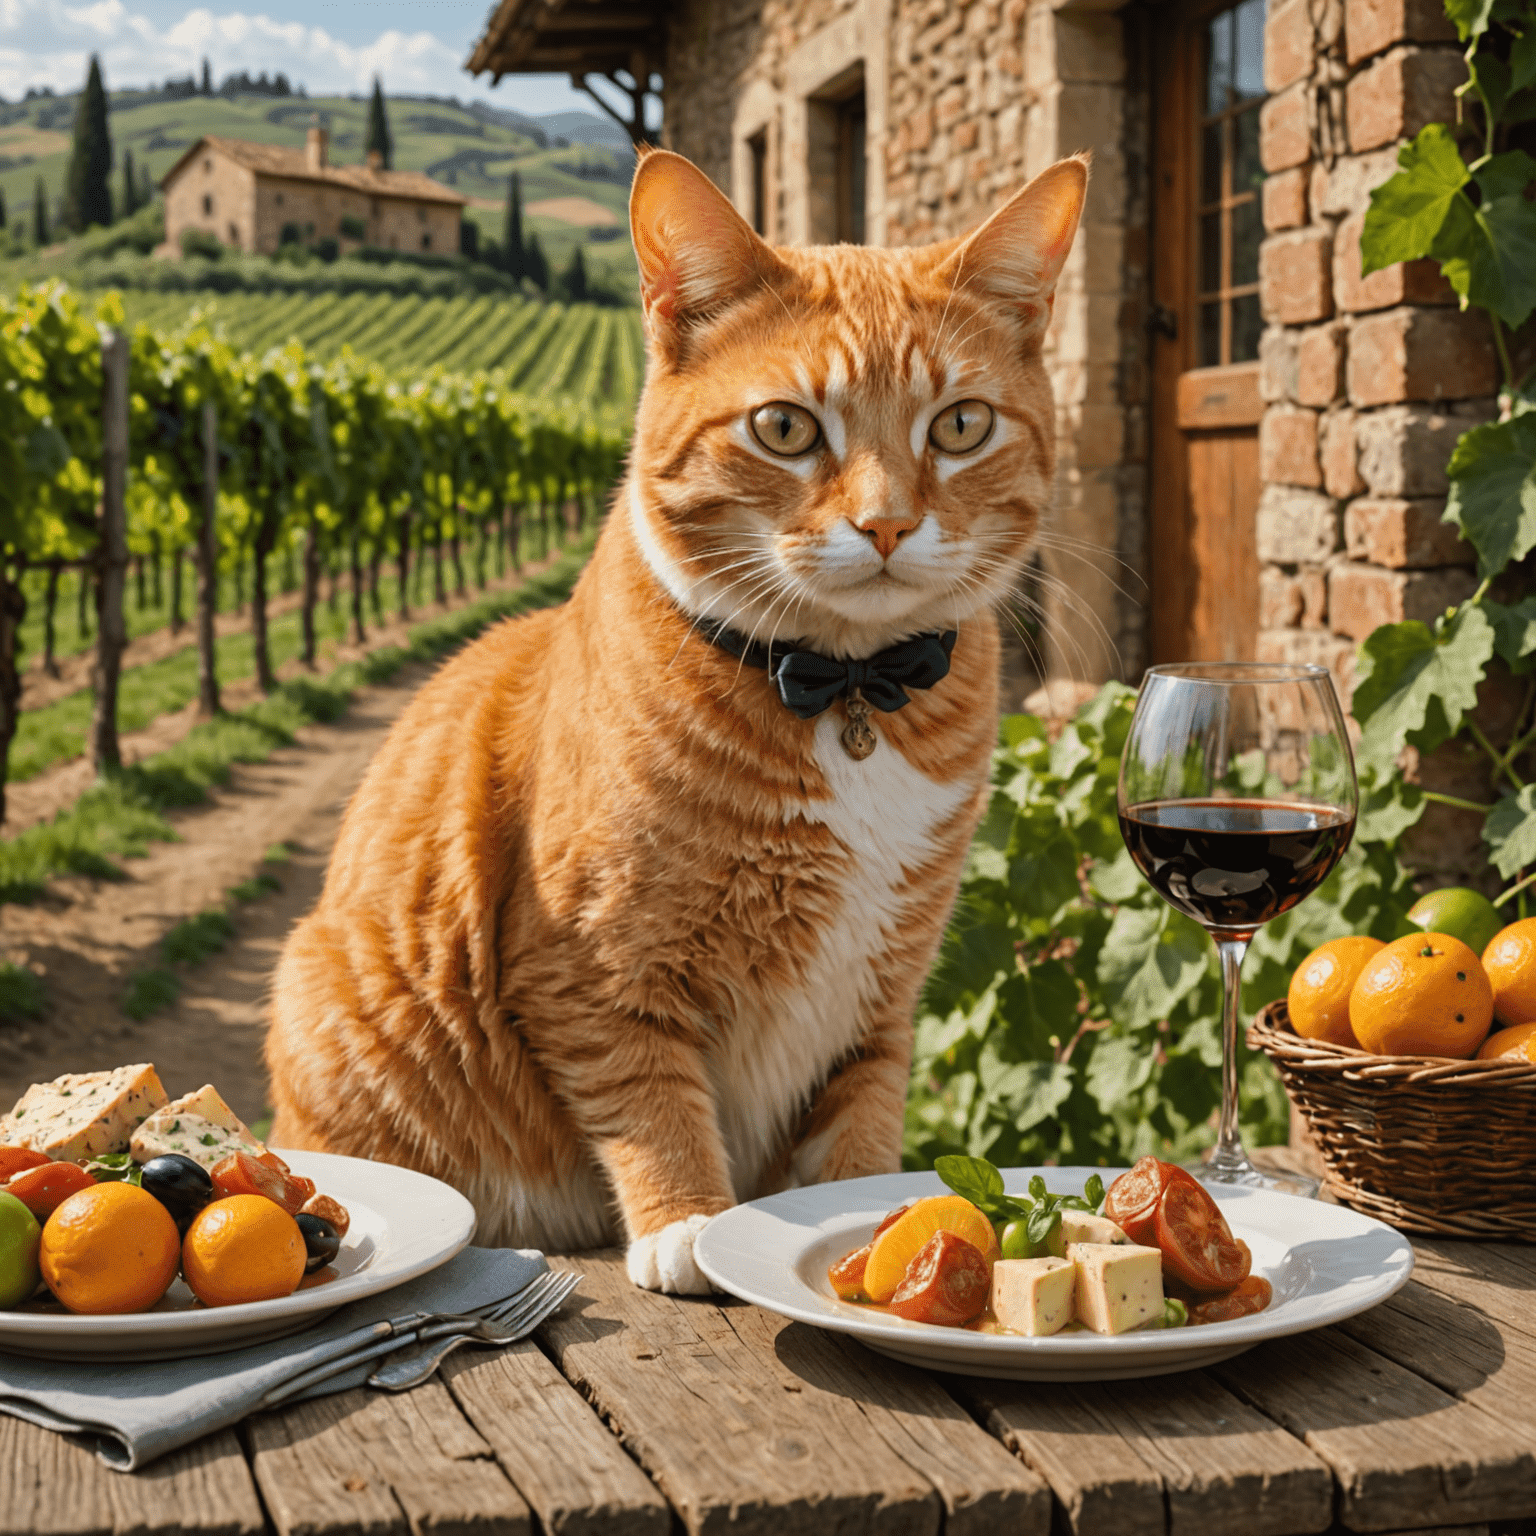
(47,42)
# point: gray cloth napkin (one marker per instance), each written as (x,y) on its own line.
(139,1410)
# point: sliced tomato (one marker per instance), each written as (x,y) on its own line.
(242,1174)
(1252,1295)
(45,1188)
(946,1283)
(1131,1202)
(14,1160)
(899,1211)
(847,1275)
(1196,1242)
(272,1160)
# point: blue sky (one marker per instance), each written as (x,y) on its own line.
(418,46)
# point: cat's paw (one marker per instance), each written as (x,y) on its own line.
(663,1261)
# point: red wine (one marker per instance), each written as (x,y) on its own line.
(1235,864)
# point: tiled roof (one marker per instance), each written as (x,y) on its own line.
(293,165)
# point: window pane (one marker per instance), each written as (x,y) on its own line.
(1246,235)
(1210,252)
(1210,334)
(1210,162)
(1218,63)
(1247,169)
(1248,64)
(1247,324)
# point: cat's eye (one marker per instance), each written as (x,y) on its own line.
(961,427)
(785,429)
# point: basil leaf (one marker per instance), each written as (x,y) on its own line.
(1093,1192)
(973,1177)
(1040,1225)
(1037,1188)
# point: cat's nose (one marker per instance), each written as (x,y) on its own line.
(886,532)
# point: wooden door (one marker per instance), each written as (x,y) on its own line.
(1206,227)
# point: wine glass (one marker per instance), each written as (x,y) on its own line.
(1237,798)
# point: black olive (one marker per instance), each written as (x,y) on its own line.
(321,1241)
(181,1185)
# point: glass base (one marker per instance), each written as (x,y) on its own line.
(1220,1172)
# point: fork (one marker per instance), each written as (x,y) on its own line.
(506,1324)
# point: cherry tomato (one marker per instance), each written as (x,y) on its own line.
(946,1283)
(43,1189)
(14,1160)
(847,1275)
(1131,1202)
(1014,1241)
(242,1174)
(1253,1295)
(1196,1242)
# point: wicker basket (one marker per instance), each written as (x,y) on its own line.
(1427,1143)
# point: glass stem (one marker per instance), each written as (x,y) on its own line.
(1228,1156)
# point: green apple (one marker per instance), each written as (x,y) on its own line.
(20,1237)
(1465,915)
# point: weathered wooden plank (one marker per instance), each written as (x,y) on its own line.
(365,1463)
(557,1452)
(1099,1479)
(1496,1278)
(982,1487)
(51,1485)
(1402,1451)
(731,1447)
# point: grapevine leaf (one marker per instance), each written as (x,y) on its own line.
(1510,832)
(1038,1008)
(1506,175)
(1409,209)
(1514,632)
(1118,1068)
(1490,79)
(1488,255)
(1414,685)
(973,1177)
(1470,17)
(1116,879)
(1030,1091)
(46,452)
(1388,808)
(1493,490)
(1153,958)
(1521,107)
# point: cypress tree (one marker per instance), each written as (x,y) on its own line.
(378,127)
(514,253)
(130,186)
(5,220)
(40,213)
(87,194)
(207,85)
(574,278)
(535,263)
(146,186)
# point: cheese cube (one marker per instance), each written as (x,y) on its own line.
(1084,1227)
(1033,1296)
(200,1126)
(83,1114)
(1119,1286)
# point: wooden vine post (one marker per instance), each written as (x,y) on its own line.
(112,553)
(208,567)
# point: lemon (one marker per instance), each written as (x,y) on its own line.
(1465,915)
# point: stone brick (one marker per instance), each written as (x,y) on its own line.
(1419,354)
(1320,365)
(1404,449)
(1364,597)
(1288,447)
(1281,601)
(1294,276)
(1284,137)
(1407,282)
(1288,45)
(1371,26)
(1403,534)
(1090,46)
(1314,598)
(1401,92)
(1285,199)
(964,136)
(1278,364)
(1346,186)
(1340,456)
(1295,527)
(1313,647)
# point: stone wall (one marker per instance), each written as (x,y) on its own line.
(214,194)
(1368,381)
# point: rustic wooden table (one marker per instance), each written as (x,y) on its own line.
(641,1413)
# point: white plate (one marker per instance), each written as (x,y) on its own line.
(403,1224)
(1325,1262)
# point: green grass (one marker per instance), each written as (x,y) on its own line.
(120,817)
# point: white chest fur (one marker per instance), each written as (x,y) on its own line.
(885,815)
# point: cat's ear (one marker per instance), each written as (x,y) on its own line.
(695,252)
(1017,255)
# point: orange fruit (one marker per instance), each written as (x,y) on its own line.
(899,1243)
(1426,995)
(243,1248)
(1510,961)
(1318,998)
(110,1248)
(1517,1043)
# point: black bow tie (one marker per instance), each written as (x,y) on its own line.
(808,682)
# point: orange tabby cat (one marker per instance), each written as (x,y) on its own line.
(611,937)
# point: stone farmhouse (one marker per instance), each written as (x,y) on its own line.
(1252,438)
(249,195)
